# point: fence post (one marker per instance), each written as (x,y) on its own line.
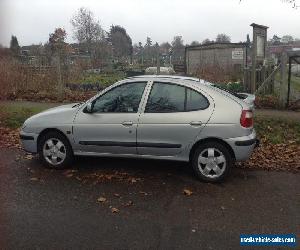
(60,82)
(282,94)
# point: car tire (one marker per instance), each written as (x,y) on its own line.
(55,150)
(212,162)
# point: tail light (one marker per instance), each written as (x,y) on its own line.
(246,118)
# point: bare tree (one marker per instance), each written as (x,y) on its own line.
(223,38)
(295,4)
(86,28)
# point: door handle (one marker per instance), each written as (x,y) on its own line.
(127,123)
(196,123)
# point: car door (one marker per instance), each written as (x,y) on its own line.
(111,126)
(173,116)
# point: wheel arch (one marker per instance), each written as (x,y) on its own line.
(211,139)
(47,130)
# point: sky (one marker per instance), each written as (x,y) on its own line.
(32,20)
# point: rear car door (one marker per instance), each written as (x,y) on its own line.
(173,116)
(111,127)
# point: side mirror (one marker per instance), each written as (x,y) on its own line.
(89,108)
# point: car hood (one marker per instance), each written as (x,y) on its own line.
(63,114)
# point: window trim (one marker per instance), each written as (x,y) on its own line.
(185,99)
(112,88)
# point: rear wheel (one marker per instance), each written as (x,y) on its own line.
(212,162)
(55,150)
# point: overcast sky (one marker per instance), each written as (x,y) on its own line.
(32,20)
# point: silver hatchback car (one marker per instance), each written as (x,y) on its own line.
(158,117)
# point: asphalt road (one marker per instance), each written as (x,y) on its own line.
(47,209)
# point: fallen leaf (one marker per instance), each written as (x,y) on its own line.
(115,210)
(28,157)
(133,180)
(187,192)
(34,179)
(129,203)
(117,195)
(101,199)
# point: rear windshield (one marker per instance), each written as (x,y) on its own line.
(240,96)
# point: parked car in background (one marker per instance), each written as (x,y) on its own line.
(163,71)
(158,117)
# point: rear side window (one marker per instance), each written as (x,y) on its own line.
(195,100)
(167,98)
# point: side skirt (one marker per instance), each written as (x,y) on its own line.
(95,154)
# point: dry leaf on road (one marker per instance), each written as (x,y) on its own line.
(129,203)
(187,192)
(101,199)
(115,210)
(28,157)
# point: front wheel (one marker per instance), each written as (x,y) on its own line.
(55,150)
(212,162)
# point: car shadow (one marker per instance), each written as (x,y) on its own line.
(140,166)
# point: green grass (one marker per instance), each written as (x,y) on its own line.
(13,115)
(277,130)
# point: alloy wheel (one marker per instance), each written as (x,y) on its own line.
(211,163)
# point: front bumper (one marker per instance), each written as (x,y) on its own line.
(29,141)
(243,146)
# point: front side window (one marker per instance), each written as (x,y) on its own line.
(167,98)
(122,99)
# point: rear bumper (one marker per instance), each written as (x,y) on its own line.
(29,141)
(243,146)
(248,142)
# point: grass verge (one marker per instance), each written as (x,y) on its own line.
(13,115)
(277,130)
